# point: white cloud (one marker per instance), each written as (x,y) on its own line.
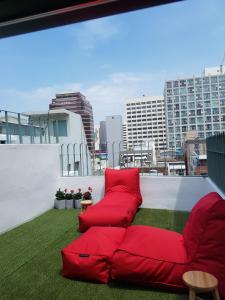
(93,33)
(107,96)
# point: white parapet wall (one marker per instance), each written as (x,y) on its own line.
(29,175)
(161,192)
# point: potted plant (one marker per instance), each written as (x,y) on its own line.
(77,197)
(60,201)
(87,195)
(69,198)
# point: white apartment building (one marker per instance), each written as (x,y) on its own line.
(195,104)
(146,121)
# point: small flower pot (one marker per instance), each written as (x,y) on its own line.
(60,204)
(69,204)
(77,203)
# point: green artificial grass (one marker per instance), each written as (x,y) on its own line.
(30,260)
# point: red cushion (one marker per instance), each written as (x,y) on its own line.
(115,209)
(128,179)
(88,257)
(204,236)
(152,257)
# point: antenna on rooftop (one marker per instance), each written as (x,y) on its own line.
(222,63)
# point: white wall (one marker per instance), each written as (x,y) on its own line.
(175,193)
(29,175)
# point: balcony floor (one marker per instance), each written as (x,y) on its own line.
(30,260)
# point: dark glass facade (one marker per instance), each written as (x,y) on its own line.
(77,103)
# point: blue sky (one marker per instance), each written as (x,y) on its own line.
(114,58)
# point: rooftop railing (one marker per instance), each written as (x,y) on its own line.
(216,159)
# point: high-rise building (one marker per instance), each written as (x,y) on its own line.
(196,103)
(146,121)
(103,137)
(114,134)
(77,103)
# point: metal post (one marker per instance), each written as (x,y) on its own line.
(7,127)
(68,158)
(61,155)
(87,159)
(113,153)
(20,131)
(81,162)
(56,131)
(74,157)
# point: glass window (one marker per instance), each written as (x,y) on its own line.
(169,85)
(170,114)
(208,119)
(216,126)
(214,79)
(222,78)
(200,120)
(176,106)
(206,96)
(183,98)
(190,82)
(171,130)
(175,84)
(183,91)
(208,126)
(207,104)
(176,99)
(222,94)
(192,113)
(184,121)
(206,88)
(191,90)
(169,92)
(192,121)
(199,112)
(192,127)
(169,107)
(201,134)
(198,89)
(222,109)
(177,129)
(177,121)
(215,103)
(177,114)
(191,105)
(182,83)
(184,128)
(191,98)
(176,91)
(214,87)
(198,80)
(199,104)
(222,86)
(60,127)
(200,127)
(216,119)
(215,111)
(183,113)
(208,111)
(183,106)
(198,97)
(206,80)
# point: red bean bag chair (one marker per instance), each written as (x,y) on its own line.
(157,257)
(88,257)
(120,203)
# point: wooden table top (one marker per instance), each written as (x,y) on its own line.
(200,280)
(86,202)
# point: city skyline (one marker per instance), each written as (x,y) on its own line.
(112,59)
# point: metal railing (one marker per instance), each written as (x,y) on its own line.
(77,160)
(216,159)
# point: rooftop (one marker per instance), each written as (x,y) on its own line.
(30,260)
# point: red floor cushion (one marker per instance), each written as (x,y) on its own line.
(120,203)
(157,257)
(88,257)
(152,257)
(204,236)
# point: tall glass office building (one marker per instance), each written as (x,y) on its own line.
(195,104)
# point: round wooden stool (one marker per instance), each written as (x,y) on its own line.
(201,282)
(85,203)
